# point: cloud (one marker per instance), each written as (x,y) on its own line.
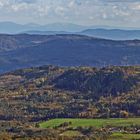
(86,12)
(121,1)
(25,1)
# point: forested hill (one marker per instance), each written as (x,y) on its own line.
(55,92)
(23,50)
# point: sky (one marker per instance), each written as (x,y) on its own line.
(125,13)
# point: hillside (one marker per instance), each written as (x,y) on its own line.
(30,96)
(49,91)
(19,51)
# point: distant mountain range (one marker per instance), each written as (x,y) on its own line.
(114,34)
(107,32)
(13,28)
(23,50)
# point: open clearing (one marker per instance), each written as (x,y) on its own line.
(91,122)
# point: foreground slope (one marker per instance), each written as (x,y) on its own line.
(54,92)
(30,96)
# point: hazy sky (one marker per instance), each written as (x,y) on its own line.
(84,12)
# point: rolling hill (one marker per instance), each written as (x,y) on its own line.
(37,94)
(23,50)
(67,92)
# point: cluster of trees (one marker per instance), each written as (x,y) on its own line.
(101,82)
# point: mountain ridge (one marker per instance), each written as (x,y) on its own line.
(15,28)
(112,34)
(24,50)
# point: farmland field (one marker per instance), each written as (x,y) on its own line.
(106,129)
(121,136)
(91,122)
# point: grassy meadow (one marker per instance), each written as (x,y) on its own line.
(91,122)
(98,124)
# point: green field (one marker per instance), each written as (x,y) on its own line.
(120,136)
(71,133)
(91,122)
(97,123)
